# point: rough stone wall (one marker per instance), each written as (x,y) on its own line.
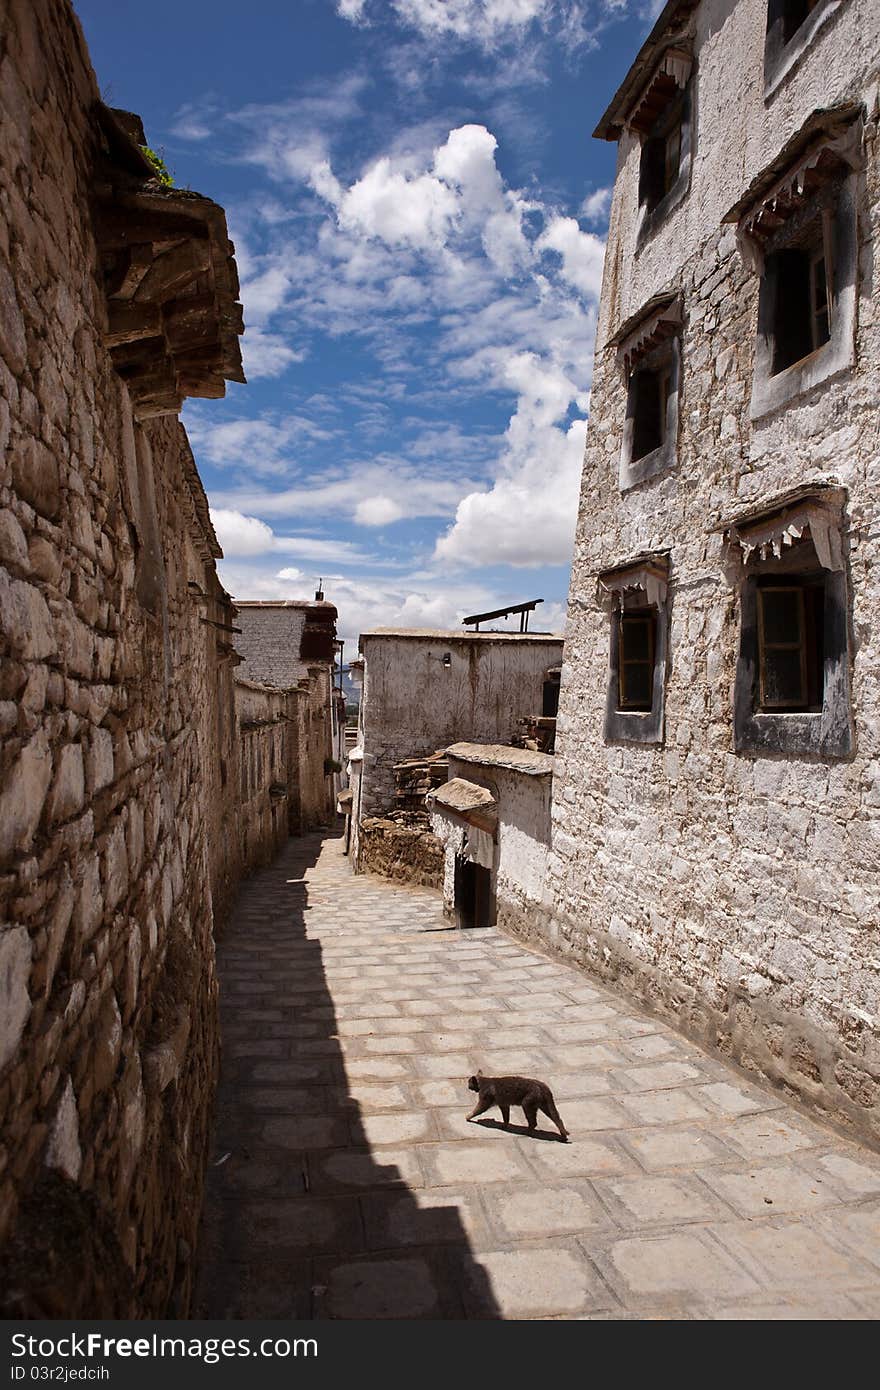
(317,803)
(738,892)
(401,847)
(414,703)
(111,661)
(264,761)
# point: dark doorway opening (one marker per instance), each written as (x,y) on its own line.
(473,894)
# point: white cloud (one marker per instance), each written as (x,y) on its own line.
(483,20)
(460,286)
(582,254)
(352,10)
(389,204)
(243,536)
(377,511)
(267,354)
(527,517)
(595,207)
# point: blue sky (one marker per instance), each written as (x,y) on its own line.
(419,212)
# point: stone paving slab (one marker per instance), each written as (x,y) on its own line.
(345,1182)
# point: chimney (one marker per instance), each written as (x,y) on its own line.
(319,592)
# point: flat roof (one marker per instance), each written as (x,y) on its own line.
(503,755)
(456,635)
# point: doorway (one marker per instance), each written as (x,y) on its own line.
(473,894)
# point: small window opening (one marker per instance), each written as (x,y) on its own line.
(651,388)
(794,12)
(637,639)
(791,644)
(801,321)
(661,155)
(550,695)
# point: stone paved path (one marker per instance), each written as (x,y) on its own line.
(345,1182)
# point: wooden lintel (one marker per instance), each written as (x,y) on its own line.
(129,271)
(116,227)
(129,322)
(169,273)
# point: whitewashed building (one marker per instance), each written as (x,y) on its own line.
(716,808)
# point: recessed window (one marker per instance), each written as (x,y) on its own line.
(791,644)
(661,158)
(797,228)
(637,657)
(792,676)
(791,27)
(794,12)
(650,390)
(802,299)
(649,350)
(637,640)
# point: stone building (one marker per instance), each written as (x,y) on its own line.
(492,818)
(424,689)
(289,648)
(716,814)
(118,762)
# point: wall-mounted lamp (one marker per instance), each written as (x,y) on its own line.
(447,659)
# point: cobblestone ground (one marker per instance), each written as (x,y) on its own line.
(346,1183)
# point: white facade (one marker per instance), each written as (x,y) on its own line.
(424,690)
(720,858)
(508,836)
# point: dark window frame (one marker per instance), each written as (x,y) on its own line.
(652,212)
(664,361)
(630,725)
(783,46)
(825,731)
(833,213)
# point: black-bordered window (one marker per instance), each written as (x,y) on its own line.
(660,161)
(792,26)
(636,599)
(662,118)
(797,228)
(649,353)
(792,689)
(636,645)
(790,612)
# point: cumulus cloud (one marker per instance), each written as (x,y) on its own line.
(582,254)
(596,206)
(241,536)
(377,511)
(527,517)
(464,290)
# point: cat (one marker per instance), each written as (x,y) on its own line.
(505,1091)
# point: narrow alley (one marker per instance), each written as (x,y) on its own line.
(344,1181)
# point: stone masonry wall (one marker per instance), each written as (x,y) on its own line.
(424,690)
(401,847)
(739,893)
(112,661)
(265,748)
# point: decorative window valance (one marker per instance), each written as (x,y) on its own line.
(655,322)
(669,76)
(769,534)
(827,146)
(650,573)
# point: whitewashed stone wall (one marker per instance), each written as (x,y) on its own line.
(738,892)
(522,841)
(416,702)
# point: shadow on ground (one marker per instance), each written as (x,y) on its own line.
(302,1217)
